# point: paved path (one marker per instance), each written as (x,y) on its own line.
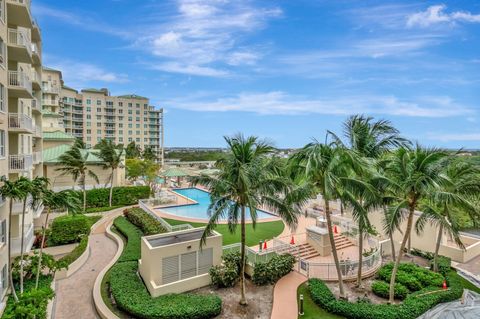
(285,296)
(74,294)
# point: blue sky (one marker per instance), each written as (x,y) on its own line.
(283,70)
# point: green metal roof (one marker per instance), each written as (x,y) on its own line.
(48,113)
(132,96)
(57,135)
(51,155)
(174,172)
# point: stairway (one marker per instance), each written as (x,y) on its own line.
(302,251)
(341,241)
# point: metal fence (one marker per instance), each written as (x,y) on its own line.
(145,204)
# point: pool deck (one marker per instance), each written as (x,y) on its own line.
(183,201)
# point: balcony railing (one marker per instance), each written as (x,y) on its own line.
(20,121)
(37,157)
(19,79)
(51,89)
(49,102)
(22,162)
(35,105)
(22,2)
(19,38)
(36,50)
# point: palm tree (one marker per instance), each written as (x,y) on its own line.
(133,150)
(248,179)
(368,140)
(31,190)
(64,200)
(149,154)
(112,157)
(74,162)
(324,166)
(412,175)
(460,181)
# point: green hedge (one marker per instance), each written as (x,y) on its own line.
(122,196)
(444,265)
(413,306)
(76,252)
(69,229)
(271,271)
(411,276)
(131,296)
(147,223)
(227,274)
(382,289)
(131,251)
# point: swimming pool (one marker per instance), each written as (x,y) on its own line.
(200,210)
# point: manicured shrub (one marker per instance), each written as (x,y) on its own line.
(412,307)
(131,251)
(270,272)
(147,223)
(444,265)
(30,266)
(227,274)
(121,196)
(411,276)
(382,289)
(69,229)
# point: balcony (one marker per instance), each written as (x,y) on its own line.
(37,157)
(27,243)
(19,46)
(38,131)
(20,163)
(19,85)
(36,54)
(51,89)
(77,111)
(36,80)
(52,102)
(20,123)
(36,106)
(19,13)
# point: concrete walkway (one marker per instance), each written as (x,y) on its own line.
(74,294)
(285,296)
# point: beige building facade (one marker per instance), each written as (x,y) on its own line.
(20,120)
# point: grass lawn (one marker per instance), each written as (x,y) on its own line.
(310,309)
(262,231)
(465,283)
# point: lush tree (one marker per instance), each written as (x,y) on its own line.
(412,175)
(133,150)
(10,190)
(134,168)
(74,163)
(459,182)
(324,166)
(367,139)
(65,200)
(112,157)
(248,179)
(149,154)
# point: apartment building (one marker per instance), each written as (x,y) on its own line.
(20,120)
(94,115)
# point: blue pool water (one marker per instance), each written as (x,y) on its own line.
(200,210)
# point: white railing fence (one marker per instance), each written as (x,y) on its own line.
(19,121)
(19,38)
(20,162)
(146,205)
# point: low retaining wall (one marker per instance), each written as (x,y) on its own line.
(60,250)
(103,311)
(51,303)
(76,265)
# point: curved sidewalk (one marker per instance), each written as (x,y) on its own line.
(285,296)
(74,294)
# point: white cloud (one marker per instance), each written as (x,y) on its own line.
(190,69)
(436,15)
(277,102)
(206,35)
(454,137)
(81,74)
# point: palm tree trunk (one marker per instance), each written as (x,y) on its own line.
(10,272)
(392,244)
(84,194)
(243,299)
(409,246)
(334,249)
(44,230)
(437,248)
(360,257)
(400,253)
(111,188)
(22,242)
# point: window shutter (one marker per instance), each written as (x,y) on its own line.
(189,265)
(205,260)
(169,269)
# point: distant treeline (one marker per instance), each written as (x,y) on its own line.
(195,156)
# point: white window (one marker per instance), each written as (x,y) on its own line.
(2,98)
(3,279)
(3,232)
(2,143)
